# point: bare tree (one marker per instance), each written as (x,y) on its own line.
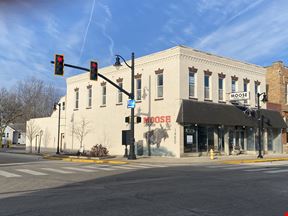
(80,130)
(36,97)
(32,129)
(10,110)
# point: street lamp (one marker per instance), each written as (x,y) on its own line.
(55,108)
(117,64)
(264,99)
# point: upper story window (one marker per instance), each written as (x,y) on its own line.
(89,96)
(246,88)
(19,135)
(63,106)
(159,82)
(234,84)
(207,85)
(221,83)
(256,91)
(138,89)
(192,82)
(120,95)
(7,135)
(103,93)
(77,98)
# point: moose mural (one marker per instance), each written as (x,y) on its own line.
(156,135)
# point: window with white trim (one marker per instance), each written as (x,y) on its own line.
(120,94)
(221,89)
(89,96)
(207,87)
(138,89)
(160,85)
(104,95)
(77,98)
(192,85)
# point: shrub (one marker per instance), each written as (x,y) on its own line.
(98,151)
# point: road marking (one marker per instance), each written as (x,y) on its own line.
(100,168)
(78,169)
(276,171)
(124,167)
(8,174)
(260,169)
(57,170)
(137,166)
(32,172)
(153,165)
(236,167)
(218,166)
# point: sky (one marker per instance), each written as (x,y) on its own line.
(32,31)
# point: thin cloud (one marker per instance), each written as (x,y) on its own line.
(87,29)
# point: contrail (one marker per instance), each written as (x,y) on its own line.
(87,29)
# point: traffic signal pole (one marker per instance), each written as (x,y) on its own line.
(100,75)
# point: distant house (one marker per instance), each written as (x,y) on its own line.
(15,133)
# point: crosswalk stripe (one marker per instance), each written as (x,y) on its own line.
(136,166)
(78,169)
(32,172)
(124,167)
(57,170)
(277,171)
(260,169)
(100,168)
(8,174)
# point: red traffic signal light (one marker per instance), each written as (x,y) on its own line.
(93,70)
(59,65)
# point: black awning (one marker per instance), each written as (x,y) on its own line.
(272,119)
(194,112)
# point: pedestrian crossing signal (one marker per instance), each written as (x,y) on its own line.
(59,65)
(93,70)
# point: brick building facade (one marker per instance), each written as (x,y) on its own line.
(277,88)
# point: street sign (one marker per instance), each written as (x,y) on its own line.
(131,104)
(236,96)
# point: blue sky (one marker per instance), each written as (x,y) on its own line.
(32,31)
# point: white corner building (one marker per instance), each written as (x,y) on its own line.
(183,98)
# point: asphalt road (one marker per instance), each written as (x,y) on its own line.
(6,158)
(58,188)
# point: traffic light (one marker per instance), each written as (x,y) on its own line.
(59,65)
(93,70)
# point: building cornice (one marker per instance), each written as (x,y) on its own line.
(239,68)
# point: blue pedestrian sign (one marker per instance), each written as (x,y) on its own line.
(131,104)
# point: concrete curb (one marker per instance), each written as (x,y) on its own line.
(83,160)
(254,161)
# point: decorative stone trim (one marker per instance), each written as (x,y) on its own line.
(76,89)
(221,75)
(119,80)
(207,72)
(89,86)
(138,76)
(257,82)
(246,80)
(192,69)
(159,71)
(103,84)
(234,78)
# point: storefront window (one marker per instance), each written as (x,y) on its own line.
(250,140)
(190,138)
(202,139)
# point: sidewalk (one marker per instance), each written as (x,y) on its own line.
(232,159)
